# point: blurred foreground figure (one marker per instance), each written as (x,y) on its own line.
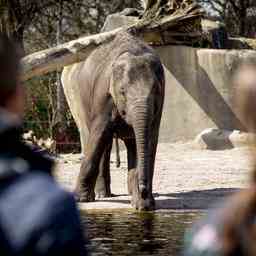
(36,216)
(231,229)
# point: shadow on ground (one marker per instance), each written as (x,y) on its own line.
(201,199)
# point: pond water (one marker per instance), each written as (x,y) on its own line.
(121,233)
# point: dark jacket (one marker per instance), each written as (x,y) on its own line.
(37,217)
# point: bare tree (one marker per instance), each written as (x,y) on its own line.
(238,15)
(61,109)
(17,15)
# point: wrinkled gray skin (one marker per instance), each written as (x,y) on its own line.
(122,90)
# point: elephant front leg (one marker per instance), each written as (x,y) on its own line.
(102,188)
(153,146)
(133,180)
(90,165)
(84,191)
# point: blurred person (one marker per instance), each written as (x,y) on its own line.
(230,229)
(37,217)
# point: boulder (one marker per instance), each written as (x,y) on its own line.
(216,139)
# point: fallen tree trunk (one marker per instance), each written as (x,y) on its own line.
(52,59)
(167,21)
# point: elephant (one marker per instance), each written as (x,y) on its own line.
(120,89)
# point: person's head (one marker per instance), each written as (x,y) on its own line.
(239,230)
(11,91)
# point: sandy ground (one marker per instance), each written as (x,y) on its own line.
(185,177)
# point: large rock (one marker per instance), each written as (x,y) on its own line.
(215,139)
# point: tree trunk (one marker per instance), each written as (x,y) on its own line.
(242,14)
(60,120)
(7,22)
(10,25)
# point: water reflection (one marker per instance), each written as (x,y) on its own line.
(135,233)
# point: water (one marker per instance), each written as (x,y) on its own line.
(121,233)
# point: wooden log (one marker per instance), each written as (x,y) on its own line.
(52,59)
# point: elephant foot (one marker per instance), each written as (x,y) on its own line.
(102,188)
(103,194)
(140,204)
(102,191)
(152,202)
(84,196)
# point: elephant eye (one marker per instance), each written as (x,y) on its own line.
(122,91)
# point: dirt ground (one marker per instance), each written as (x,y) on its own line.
(185,177)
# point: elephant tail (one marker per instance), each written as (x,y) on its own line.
(118,161)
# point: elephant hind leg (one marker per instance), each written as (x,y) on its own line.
(102,188)
(95,147)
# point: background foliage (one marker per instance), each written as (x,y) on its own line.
(239,16)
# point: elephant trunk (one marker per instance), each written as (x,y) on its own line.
(141,123)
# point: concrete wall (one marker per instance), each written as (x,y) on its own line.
(199,94)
